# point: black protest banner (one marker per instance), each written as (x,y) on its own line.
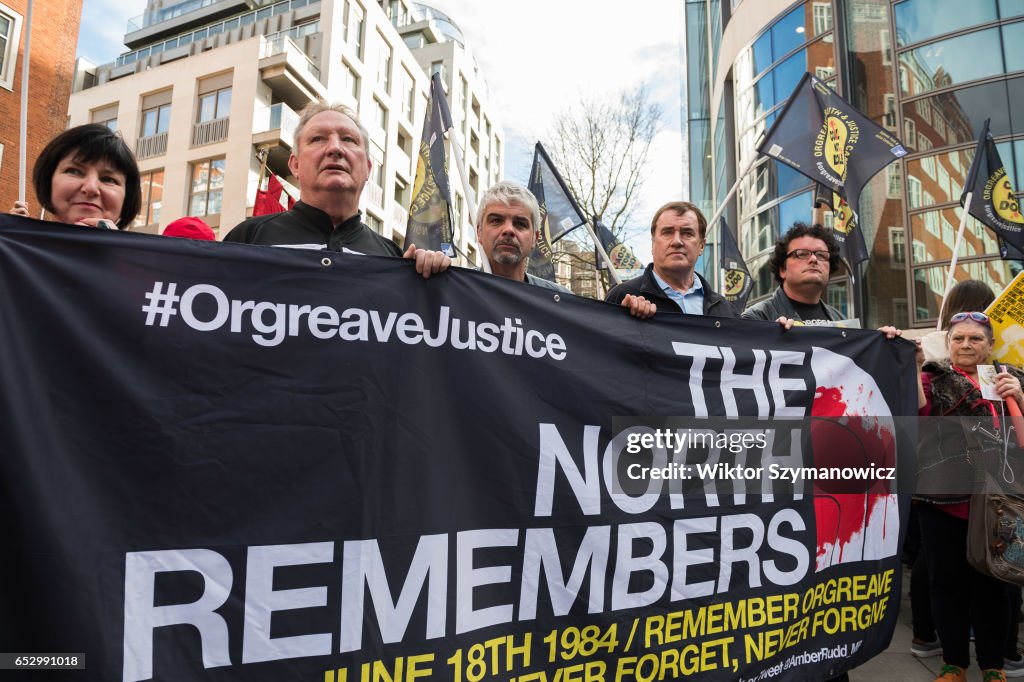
(234,462)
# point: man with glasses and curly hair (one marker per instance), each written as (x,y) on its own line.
(804,259)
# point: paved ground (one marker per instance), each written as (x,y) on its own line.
(896,664)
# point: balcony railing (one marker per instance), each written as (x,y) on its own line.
(278,116)
(399,215)
(375,193)
(279,43)
(209,132)
(153,145)
(213,29)
(165,13)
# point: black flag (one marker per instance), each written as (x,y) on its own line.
(824,137)
(848,236)
(430,220)
(993,200)
(559,213)
(736,281)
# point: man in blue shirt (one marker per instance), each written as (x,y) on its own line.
(670,283)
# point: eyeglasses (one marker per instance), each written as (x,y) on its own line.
(805,254)
(977,317)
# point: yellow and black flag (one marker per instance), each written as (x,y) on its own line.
(736,282)
(621,255)
(991,195)
(559,213)
(844,225)
(824,137)
(430,219)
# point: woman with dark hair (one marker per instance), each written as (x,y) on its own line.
(87,175)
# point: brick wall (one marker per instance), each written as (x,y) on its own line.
(54,37)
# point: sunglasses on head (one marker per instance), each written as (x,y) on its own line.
(977,317)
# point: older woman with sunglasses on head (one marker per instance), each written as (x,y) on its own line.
(87,176)
(962,597)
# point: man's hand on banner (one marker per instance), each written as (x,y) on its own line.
(20,208)
(427,262)
(639,306)
(890,331)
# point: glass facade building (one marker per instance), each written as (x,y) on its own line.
(931,71)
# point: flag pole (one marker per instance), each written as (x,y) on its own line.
(732,190)
(263,154)
(956,251)
(604,254)
(23,124)
(453,137)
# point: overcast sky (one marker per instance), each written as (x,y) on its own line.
(538,57)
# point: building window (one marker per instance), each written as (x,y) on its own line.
(156,120)
(213,110)
(895,184)
(206,188)
(438,68)
(409,103)
(214,105)
(886,46)
(384,64)
(10,35)
(106,116)
(152,198)
(909,131)
(374,223)
(898,246)
(380,115)
(352,81)
(914,193)
(355,31)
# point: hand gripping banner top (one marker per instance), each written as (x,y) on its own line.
(235,462)
(824,137)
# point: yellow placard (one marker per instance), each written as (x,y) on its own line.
(1007,315)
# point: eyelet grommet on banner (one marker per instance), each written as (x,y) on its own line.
(557,298)
(718,323)
(844,333)
(326,262)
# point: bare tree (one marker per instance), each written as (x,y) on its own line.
(600,147)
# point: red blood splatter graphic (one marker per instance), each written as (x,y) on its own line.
(848,429)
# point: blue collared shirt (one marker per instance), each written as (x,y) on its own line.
(691,301)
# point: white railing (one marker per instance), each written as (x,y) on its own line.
(209,132)
(153,145)
(399,215)
(283,44)
(277,116)
(375,194)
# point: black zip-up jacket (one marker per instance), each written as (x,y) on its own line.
(645,285)
(307,227)
(778,306)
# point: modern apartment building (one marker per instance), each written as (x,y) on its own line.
(210,88)
(931,71)
(51,69)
